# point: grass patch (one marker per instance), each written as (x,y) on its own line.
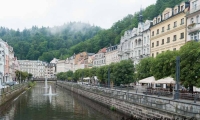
(112,108)
(31,84)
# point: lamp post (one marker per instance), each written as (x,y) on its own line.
(109,77)
(176,95)
(1,78)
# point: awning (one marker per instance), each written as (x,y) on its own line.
(147,80)
(167,80)
(87,78)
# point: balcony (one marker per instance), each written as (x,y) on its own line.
(120,53)
(127,51)
(193,27)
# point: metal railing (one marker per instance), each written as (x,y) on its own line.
(10,89)
(187,108)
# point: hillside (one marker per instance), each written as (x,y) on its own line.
(112,36)
(45,43)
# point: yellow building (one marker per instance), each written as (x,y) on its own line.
(169,29)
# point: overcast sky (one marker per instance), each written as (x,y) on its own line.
(26,13)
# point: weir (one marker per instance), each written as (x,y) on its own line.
(136,104)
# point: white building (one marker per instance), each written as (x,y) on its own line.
(112,55)
(99,58)
(35,67)
(135,44)
(193,21)
(50,70)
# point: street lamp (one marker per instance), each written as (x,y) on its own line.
(176,95)
(1,78)
(108,76)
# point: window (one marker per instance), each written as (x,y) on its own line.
(152,54)
(158,19)
(157,53)
(168,27)
(182,21)
(182,35)
(175,11)
(182,7)
(147,39)
(147,50)
(191,20)
(197,19)
(166,15)
(194,5)
(174,49)
(168,40)
(163,29)
(144,40)
(157,43)
(163,41)
(175,24)
(144,51)
(157,31)
(153,33)
(152,45)
(139,52)
(174,38)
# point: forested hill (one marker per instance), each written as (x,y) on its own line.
(45,43)
(112,36)
(61,42)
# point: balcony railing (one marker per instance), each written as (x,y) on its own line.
(193,27)
(120,53)
(127,50)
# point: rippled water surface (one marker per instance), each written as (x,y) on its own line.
(34,105)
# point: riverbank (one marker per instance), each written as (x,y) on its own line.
(9,94)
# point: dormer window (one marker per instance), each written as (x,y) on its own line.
(158,19)
(175,11)
(154,22)
(166,15)
(182,7)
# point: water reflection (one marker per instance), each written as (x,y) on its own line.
(33,105)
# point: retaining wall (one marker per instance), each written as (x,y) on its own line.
(8,94)
(140,105)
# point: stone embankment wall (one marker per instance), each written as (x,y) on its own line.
(140,105)
(8,94)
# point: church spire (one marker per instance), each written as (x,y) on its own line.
(140,16)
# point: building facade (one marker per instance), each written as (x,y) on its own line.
(135,44)
(112,55)
(169,29)
(50,70)
(35,67)
(99,58)
(193,21)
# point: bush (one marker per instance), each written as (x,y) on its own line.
(31,84)
(112,108)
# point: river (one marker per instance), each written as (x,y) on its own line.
(35,105)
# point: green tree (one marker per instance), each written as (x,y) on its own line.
(124,72)
(143,69)
(164,64)
(190,65)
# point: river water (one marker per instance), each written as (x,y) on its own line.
(34,105)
